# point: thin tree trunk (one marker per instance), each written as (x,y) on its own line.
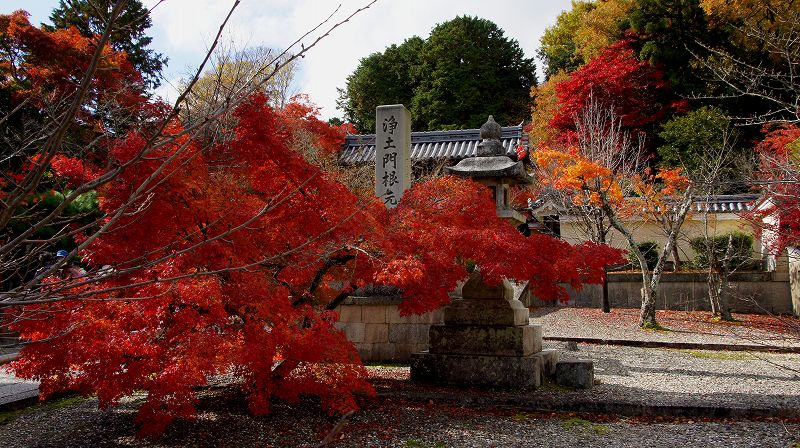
(602,240)
(647,313)
(676,258)
(724,283)
(606,304)
(650,281)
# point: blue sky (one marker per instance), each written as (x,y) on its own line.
(183,29)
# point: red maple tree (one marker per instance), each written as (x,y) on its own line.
(635,90)
(777,219)
(227,257)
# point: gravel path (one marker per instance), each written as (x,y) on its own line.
(630,378)
(386,423)
(685,327)
(410,415)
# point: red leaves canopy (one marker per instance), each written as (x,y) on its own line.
(778,172)
(45,68)
(225,257)
(635,89)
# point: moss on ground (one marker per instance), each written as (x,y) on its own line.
(654,327)
(11,415)
(706,354)
(582,425)
(549,386)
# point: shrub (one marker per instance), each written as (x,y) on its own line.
(650,251)
(711,251)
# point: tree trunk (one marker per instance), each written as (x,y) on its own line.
(676,258)
(713,290)
(650,281)
(606,304)
(647,314)
(723,291)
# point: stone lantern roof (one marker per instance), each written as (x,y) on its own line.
(491,160)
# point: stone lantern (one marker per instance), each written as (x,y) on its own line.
(493,168)
(486,338)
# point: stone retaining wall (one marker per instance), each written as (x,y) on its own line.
(378,331)
(752,292)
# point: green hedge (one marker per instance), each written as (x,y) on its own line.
(650,251)
(711,251)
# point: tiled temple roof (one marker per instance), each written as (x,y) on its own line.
(725,203)
(720,203)
(454,145)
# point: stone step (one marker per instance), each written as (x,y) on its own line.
(506,372)
(486,340)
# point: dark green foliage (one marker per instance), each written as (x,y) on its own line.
(711,251)
(669,31)
(90,17)
(464,71)
(468,70)
(650,251)
(381,78)
(690,139)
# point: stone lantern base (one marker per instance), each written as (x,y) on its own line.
(486,340)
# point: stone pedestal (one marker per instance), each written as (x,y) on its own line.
(486,340)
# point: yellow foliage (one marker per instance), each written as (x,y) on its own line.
(601,27)
(762,15)
(545,105)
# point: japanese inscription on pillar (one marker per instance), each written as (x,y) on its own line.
(392,153)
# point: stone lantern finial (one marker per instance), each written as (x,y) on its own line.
(490,144)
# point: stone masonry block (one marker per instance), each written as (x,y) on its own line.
(549,359)
(575,373)
(408,333)
(384,351)
(402,352)
(394,317)
(375,333)
(486,339)
(349,313)
(509,372)
(475,288)
(373,314)
(354,331)
(364,351)
(486,312)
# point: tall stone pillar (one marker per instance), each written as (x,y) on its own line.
(392,153)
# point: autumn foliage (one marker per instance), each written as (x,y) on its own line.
(778,219)
(42,69)
(590,182)
(229,263)
(224,255)
(634,89)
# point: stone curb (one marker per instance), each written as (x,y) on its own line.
(5,359)
(678,345)
(628,409)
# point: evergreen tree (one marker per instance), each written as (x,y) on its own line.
(381,78)
(465,70)
(90,18)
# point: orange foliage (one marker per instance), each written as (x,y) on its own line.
(588,182)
